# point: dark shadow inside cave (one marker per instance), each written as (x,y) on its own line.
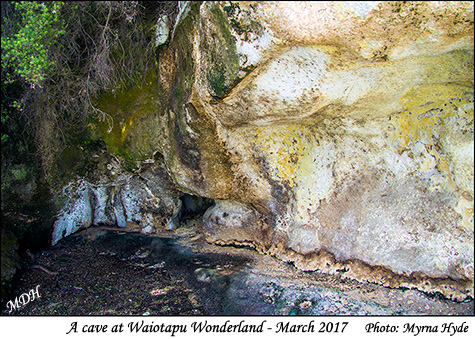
(194,206)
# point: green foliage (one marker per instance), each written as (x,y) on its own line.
(26,53)
(58,59)
(4,120)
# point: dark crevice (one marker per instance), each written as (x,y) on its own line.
(194,206)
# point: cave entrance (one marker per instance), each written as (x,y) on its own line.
(194,207)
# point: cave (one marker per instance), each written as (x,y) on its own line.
(194,206)
(243,158)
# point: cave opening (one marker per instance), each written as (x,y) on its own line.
(194,207)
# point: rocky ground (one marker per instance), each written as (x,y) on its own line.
(109,271)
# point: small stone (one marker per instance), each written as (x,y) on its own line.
(159,265)
(203,274)
(305,304)
(467,196)
(148,230)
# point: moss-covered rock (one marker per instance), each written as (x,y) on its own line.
(222,60)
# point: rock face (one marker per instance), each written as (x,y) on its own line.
(110,196)
(334,135)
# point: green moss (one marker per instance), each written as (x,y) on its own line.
(124,107)
(20,172)
(217,80)
(223,59)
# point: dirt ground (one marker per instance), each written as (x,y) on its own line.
(106,271)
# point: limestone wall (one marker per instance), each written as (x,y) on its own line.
(334,135)
(351,137)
